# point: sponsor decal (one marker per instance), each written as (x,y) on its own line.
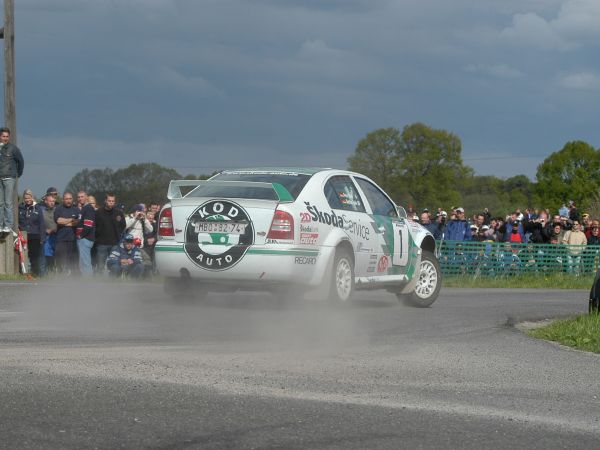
(305,217)
(217,235)
(370,269)
(309,238)
(341,221)
(304,260)
(372,257)
(383,264)
(308,229)
(279,241)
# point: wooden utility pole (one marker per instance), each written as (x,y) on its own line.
(8,263)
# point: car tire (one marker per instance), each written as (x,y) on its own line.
(342,279)
(428,284)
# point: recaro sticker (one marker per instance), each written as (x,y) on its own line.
(217,235)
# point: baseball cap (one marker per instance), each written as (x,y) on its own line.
(485,227)
(51,191)
(460,209)
(138,207)
(128,237)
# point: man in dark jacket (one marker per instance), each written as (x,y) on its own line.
(31,222)
(11,168)
(110,224)
(85,233)
(66,217)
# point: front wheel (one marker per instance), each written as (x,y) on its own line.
(342,280)
(428,284)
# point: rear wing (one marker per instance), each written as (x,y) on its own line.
(280,191)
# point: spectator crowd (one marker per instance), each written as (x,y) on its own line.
(76,235)
(567,226)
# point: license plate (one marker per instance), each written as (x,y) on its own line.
(221,227)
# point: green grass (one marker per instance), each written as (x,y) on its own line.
(582,333)
(535,281)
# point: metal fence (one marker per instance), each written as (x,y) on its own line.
(494,259)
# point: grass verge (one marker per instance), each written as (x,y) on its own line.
(582,333)
(535,281)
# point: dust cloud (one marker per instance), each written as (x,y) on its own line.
(124,312)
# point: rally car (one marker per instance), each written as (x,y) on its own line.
(291,230)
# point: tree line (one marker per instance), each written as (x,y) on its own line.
(418,166)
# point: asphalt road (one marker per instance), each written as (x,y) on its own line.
(120,366)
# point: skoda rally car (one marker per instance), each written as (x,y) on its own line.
(289,230)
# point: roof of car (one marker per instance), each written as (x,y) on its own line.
(294,170)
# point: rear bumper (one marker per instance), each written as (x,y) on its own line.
(261,265)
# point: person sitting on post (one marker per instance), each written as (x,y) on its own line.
(125,259)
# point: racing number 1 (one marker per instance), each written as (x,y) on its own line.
(400,257)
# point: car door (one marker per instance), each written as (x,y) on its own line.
(395,252)
(344,199)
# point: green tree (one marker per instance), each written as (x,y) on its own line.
(572,173)
(431,168)
(376,156)
(95,182)
(137,183)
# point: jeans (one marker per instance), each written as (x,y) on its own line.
(7,189)
(85,256)
(102,252)
(63,254)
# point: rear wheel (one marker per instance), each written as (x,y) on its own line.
(342,281)
(428,284)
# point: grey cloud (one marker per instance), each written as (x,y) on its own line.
(585,81)
(495,70)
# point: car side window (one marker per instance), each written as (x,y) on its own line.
(341,193)
(380,204)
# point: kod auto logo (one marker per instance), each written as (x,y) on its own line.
(217,235)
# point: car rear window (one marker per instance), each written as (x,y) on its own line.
(292,182)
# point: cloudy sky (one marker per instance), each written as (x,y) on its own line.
(199,85)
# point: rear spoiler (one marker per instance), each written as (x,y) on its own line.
(175,186)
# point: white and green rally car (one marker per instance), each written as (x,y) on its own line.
(290,230)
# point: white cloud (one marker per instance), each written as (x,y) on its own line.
(577,23)
(531,29)
(581,81)
(495,70)
(173,79)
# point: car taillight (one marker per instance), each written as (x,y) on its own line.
(165,223)
(282,226)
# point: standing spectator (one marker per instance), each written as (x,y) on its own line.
(458,229)
(125,259)
(575,239)
(430,226)
(53,192)
(515,234)
(110,224)
(136,223)
(509,230)
(31,223)
(66,217)
(85,233)
(92,201)
(151,237)
(11,168)
(573,212)
(47,262)
(563,211)
(139,227)
(594,238)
